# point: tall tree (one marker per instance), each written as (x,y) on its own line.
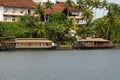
(112,20)
(96,4)
(39,10)
(49,7)
(69,3)
(40,30)
(100,27)
(89,3)
(104,5)
(87,15)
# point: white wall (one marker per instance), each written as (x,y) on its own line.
(1,13)
(14,11)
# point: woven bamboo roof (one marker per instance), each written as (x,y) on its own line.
(88,39)
(32,40)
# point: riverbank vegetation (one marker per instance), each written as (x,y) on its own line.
(62,30)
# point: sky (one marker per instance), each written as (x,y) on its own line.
(99,12)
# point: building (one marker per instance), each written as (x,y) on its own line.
(10,10)
(73,12)
(43,1)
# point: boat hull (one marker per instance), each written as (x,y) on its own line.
(94,47)
(20,49)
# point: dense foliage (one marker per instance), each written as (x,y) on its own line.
(63,30)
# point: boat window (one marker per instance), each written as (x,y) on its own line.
(29,44)
(46,44)
(0,44)
(41,44)
(17,44)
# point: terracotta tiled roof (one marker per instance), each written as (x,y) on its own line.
(59,7)
(18,3)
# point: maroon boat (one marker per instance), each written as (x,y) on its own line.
(92,43)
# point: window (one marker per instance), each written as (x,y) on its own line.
(18,44)
(29,11)
(5,18)
(13,10)
(29,44)
(13,18)
(5,9)
(41,44)
(21,11)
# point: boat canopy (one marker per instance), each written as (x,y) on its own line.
(34,40)
(90,39)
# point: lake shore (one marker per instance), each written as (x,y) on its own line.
(116,45)
(69,47)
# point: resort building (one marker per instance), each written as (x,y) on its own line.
(42,2)
(10,10)
(73,12)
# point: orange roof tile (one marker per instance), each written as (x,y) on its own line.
(18,3)
(59,7)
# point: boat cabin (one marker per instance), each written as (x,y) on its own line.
(34,43)
(26,43)
(7,42)
(90,42)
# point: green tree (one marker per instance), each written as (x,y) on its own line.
(58,18)
(2,30)
(112,20)
(80,4)
(100,27)
(30,22)
(49,7)
(84,32)
(55,31)
(40,30)
(104,5)
(96,4)
(87,15)
(69,3)
(39,10)
(13,29)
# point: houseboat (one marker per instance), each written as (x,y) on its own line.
(92,43)
(26,43)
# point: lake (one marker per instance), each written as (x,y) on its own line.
(60,65)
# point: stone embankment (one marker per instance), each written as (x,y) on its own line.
(64,47)
(116,45)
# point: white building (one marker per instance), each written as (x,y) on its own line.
(44,1)
(10,10)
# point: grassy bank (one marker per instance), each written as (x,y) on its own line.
(64,47)
(116,45)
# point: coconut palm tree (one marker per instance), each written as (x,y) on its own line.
(40,30)
(100,27)
(89,3)
(54,30)
(39,10)
(69,3)
(80,4)
(104,5)
(96,4)
(85,32)
(112,19)
(87,15)
(49,7)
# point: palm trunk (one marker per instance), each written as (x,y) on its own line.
(107,35)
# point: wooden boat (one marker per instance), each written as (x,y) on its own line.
(26,43)
(92,43)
